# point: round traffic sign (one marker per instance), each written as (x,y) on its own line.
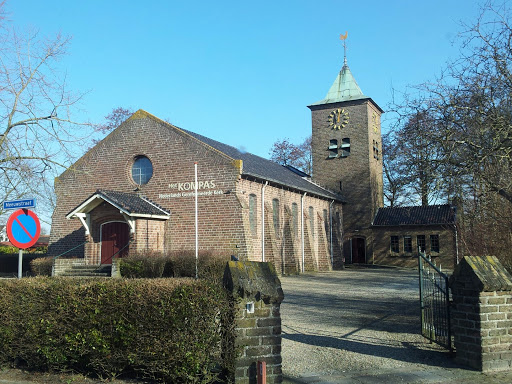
(23,228)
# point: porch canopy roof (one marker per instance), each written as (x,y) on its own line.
(129,204)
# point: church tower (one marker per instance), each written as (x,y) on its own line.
(347,158)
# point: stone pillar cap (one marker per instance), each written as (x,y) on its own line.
(253,280)
(486,273)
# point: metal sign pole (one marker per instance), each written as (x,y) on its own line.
(195,219)
(20,263)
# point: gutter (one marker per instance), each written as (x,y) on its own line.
(302,229)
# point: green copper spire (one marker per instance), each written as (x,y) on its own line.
(345,87)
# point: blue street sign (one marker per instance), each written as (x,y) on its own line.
(17,204)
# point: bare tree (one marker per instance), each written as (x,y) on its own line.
(417,160)
(298,156)
(114,119)
(396,178)
(469,109)
(38,136)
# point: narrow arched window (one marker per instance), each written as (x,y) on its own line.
(295,219)
(275,210)
(253,213)
(312,220)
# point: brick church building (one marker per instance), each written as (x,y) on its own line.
(135,192)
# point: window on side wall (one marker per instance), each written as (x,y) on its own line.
(420,241)
(345,147)
(295,219)
(407,244)
(395,244)
(253,213)
(312,220)
(333,149)
(275,215)
(326,222)
(434,243)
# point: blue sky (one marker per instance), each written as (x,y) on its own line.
(243,72)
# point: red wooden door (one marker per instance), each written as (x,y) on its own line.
(114,238)
(358,250)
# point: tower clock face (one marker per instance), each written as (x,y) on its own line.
(338,119)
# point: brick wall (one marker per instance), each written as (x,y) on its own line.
(359,176)
(149,236)
(284,246)
(172,152)
(360,173)
(446,257)
(258,296)
(482,314)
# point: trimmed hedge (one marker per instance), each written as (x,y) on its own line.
(175,264)
(9,263)
(41,266)
(168,330)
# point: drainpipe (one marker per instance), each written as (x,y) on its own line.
(263,221)
(330,233)
(302,228)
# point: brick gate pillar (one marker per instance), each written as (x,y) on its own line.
(482,314)
(258,294)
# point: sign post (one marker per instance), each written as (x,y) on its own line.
(23,229)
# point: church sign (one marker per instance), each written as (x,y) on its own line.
(187,189)
(191,185)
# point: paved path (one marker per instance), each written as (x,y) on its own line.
(360,325)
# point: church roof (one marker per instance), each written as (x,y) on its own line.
(344,88)
(259,168)
(415,215)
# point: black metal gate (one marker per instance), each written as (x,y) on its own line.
(435,303)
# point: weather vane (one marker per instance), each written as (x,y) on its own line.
(343,38)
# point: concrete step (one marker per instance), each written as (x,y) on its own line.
(88,271)
(74,274)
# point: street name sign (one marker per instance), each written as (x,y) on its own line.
(17,204)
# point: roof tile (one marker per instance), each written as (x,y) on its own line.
(132,202)
(415,215)
(258,167)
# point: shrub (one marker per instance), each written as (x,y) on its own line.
(41,266)
(5,249)
(169,330)
(175,264)
(145,264)
(210,265)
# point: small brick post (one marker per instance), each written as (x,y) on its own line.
(258,294)
(482,314)
(116,267)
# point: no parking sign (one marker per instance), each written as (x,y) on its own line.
(23,228)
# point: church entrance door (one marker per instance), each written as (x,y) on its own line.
(114,240)
(358,250)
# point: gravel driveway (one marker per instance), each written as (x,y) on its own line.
(358,319)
